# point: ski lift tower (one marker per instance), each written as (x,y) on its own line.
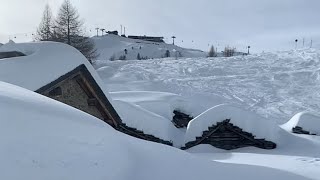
(102,30)
(97,31)
(173,37)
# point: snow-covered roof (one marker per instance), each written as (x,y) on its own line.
(44,62)
(246,120)
(308,122)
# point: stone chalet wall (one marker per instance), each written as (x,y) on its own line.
(73,95)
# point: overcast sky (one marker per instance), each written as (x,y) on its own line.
(263,24)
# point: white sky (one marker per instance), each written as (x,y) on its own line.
(263,24)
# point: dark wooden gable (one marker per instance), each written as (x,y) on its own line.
(181,120)
(225,135)
(79,89)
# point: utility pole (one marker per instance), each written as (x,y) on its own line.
(97,31)
(173,37)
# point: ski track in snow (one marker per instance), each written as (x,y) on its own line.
(274,85)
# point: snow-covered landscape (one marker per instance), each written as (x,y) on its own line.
(259,99)
(100,103)
(268,90)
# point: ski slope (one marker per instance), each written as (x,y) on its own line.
(113,45)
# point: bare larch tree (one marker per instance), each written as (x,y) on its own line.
(69,30)
(45,29)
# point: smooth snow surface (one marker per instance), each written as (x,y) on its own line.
(301,165)
(44,63)
(43,139)
(307,121)
(113,45)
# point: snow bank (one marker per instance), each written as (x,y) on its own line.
(147,121)
(44,63)
(161,103)
(248,121)
(306,120)
(43,139)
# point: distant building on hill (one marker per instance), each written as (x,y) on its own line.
(148,38)
(113,32)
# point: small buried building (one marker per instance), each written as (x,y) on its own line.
(303,123)
(60,72)
(227,127)
(225,135)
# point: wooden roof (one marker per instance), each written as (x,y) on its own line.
(225,135)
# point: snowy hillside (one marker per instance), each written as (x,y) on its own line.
(274,85)
(262,91)
(113,45)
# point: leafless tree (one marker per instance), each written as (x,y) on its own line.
(45,29)
(69,30)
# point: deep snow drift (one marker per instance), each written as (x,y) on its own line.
(43,139)
(113,45)
(274,85)
(264,90)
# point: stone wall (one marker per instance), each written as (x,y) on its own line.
(75,96)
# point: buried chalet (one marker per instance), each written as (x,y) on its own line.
(60,72)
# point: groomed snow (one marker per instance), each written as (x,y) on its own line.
(43,139)
(306,120)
